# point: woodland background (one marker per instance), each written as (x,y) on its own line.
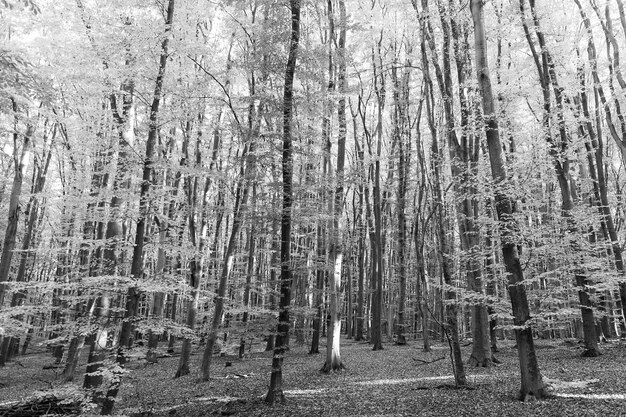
(187,174)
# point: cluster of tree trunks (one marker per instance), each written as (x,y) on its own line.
(363,262)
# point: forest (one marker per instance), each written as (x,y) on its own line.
(312,207)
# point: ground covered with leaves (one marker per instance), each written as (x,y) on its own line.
(397,381)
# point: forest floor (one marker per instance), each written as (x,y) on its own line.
(397,381)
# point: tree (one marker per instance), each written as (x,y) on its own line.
(137,265)
(532,382)
(333,356)
(451,328)
(275,393)
(20,157)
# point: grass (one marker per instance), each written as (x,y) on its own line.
(398,381)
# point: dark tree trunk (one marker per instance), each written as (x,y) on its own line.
(20,157)
(133,294)
(450,328)
(531,380)
(275,393)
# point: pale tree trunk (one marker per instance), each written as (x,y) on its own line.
(275,393)
(99,343)
(531,380)
(325,197)
(333,346)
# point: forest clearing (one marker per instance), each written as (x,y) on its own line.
(398,381)
(406,187)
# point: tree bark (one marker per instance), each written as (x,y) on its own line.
(133,294)
(451,327)
(20,157)
(531,380)
(333,346)
(275,393)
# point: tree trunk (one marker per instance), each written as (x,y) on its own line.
(375,215)
(606,211)
(319,298)
(450,328)
(360,226)
(402,130)
(29,241)
(133,294)
(20,157)
(333,346)
(531,380)
(247,289)
(241,198)
(275,393)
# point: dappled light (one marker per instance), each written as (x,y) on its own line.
(325,208)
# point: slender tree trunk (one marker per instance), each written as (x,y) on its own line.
(248,287)
(241,199)
(20,157)
(532,382)
(319,297)
(558,148)
(275,393)
(451,327)
(361,226)
(402,140)
(599,93)
(333,346)
(274,261)
(29,241)
(376,238)
(133,294)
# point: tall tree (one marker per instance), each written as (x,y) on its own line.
(21,155)
(275,393)
(532,381)
(137,265)
(444,81)
(333,355)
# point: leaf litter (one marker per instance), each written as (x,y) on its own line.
(397,381)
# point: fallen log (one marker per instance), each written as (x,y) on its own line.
(48,404)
